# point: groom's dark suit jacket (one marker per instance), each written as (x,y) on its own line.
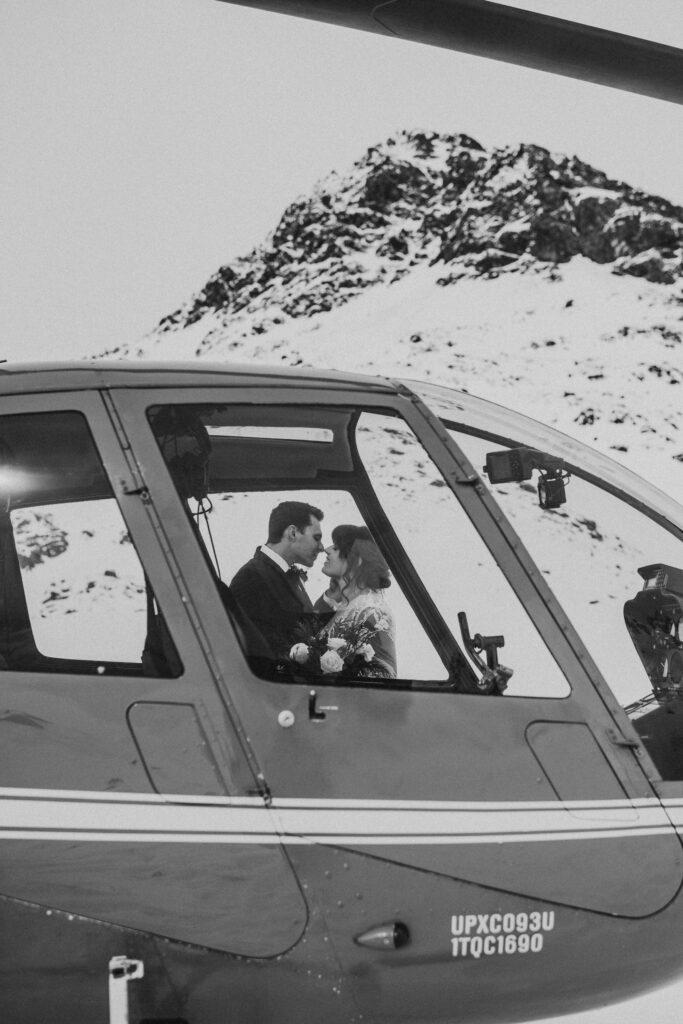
(274,602)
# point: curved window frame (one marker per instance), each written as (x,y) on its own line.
(476,416)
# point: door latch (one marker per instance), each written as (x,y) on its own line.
(315,713)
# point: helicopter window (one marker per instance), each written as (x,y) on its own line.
(258,459)
(73,596)
(614,569)
(452,561)
(369,470)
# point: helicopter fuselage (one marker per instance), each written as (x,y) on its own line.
(269,843)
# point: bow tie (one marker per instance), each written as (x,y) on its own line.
(295,573)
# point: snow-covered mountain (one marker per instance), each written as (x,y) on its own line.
(527,277)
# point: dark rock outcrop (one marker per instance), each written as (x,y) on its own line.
(427,197)
(38,538)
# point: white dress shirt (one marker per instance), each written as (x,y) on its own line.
(274,557)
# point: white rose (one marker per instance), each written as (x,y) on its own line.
(368,651)
(335,642)
(299,653)
(331,662)
(382,624)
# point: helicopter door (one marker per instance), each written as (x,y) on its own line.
(114,773)
(500,769)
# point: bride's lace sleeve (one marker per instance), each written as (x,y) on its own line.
(372,611)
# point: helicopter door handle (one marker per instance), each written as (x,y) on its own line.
(621,741)
(315,713)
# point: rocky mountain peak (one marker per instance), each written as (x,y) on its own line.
(526,201)
(428,197)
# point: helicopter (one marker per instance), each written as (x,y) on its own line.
(209,834)
(195,832)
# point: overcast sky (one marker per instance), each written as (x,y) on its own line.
(146,143)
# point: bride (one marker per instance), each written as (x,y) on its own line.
(359,575)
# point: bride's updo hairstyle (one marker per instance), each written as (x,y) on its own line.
(366,565)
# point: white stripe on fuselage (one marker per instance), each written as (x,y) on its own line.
(85,816)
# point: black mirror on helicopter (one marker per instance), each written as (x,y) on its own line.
(514,465)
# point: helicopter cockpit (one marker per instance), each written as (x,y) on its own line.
(76,595)
(77,598)
(367,468)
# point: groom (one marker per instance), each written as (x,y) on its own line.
(269,588)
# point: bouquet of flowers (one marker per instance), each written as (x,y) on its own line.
(350,651)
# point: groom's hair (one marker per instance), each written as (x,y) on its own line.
(290,513)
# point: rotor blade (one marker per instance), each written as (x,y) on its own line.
(488,29)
